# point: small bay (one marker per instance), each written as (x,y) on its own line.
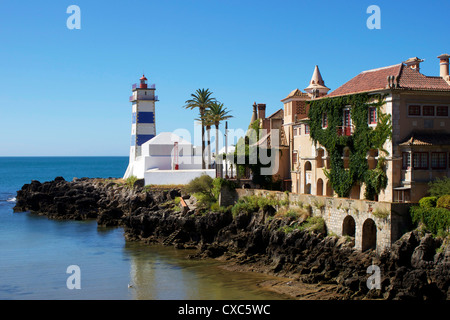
(35,251)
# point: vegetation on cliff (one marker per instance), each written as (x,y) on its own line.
(263,232)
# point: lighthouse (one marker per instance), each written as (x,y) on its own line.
(143,127)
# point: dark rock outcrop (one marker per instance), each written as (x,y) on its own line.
(416,267)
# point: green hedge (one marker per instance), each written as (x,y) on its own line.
(443,202)
(435,220)
(428,202)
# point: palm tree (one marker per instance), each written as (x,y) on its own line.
(206,122)
(201,99)
(215,115)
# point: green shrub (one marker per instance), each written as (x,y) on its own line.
(202,184)
(244,207)
(292,214)
(428,202)
(439,187)
(381,213)
(130,181)
(435,220)
(290,228)
(444,202)
(219,183)
(316,224)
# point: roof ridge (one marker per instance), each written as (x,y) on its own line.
(387,67)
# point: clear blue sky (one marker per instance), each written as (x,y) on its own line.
(65,92)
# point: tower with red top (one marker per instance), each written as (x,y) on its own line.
(143,116)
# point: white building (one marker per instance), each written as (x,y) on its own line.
(159,159)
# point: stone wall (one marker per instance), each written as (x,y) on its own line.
(388,221)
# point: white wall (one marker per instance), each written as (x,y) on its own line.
(164,177)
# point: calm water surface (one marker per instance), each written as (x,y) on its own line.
(35,251)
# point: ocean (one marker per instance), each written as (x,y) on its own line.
(37,253)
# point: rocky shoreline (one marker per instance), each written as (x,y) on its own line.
(310,265)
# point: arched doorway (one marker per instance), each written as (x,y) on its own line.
(349,228)
(319,187)
(369,235)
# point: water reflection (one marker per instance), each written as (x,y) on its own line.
(158,272)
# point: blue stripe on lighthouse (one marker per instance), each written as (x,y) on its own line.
(133,117)
(142,138)
(145,117)
(133,140)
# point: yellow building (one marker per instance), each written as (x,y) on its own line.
(417,153)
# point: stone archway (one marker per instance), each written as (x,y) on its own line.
(369,235)
(348,226)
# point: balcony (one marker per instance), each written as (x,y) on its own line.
(154,98)
(136,86)
(344,131)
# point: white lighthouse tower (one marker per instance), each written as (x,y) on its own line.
(143,120)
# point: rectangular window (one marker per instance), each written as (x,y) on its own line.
(294,157)
(306,129)
(428,111)
(420,160)
(414,110)
(372,115)
(438,160)
(406,162)
(324,120)
(442,111)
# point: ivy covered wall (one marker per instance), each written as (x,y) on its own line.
(363,139)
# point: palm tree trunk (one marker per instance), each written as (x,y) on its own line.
(203,140)
(208,146)
(217,144)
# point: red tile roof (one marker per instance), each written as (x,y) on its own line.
(377,79)
(411,79)
(435,138)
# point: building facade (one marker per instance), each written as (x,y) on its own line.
(417,152)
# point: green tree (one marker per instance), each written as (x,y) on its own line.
(439,187)
(201,100)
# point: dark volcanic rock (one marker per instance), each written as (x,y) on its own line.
(416,267)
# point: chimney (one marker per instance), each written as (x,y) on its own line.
(261,111)
(443,58)
(254,114)
(413,63)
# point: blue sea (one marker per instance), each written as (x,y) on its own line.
(36,252)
